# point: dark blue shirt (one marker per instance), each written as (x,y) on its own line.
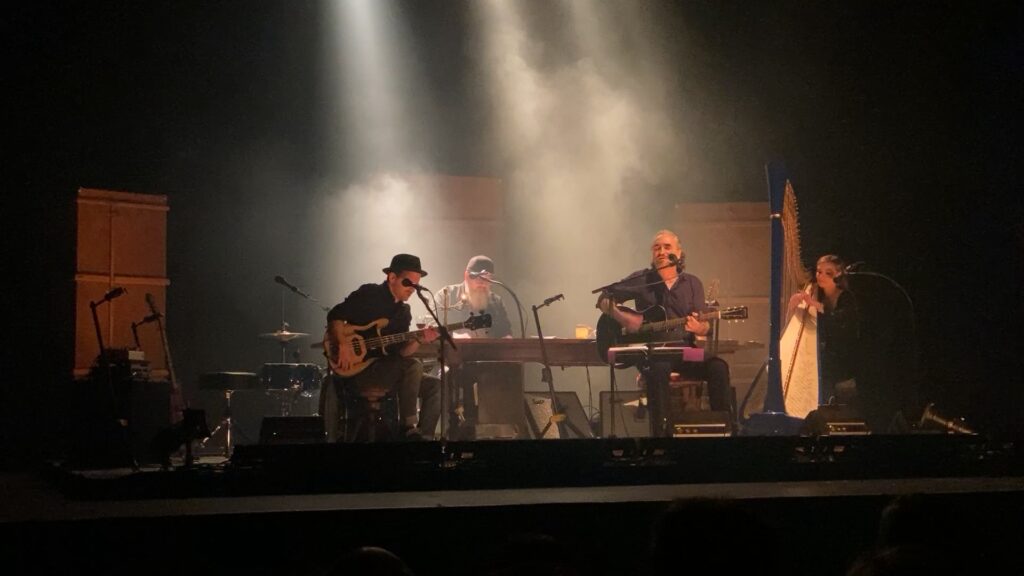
(647,289)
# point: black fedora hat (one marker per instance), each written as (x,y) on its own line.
(405,262)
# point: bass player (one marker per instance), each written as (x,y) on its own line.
(395,369)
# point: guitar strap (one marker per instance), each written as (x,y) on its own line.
(661,294)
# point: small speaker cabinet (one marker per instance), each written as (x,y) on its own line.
(292,430)
(702,424)
(538,411)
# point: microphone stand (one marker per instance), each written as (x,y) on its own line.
(557,416)
(613,288)
(99,333)
(852,271)
(135,334)
(122,424)
(519,307)
(445,336)
(284,325)
(614,285)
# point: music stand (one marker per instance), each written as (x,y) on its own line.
(104,364)
(642,356)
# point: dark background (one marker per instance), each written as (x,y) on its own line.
(899,123)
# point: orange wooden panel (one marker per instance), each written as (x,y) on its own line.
(472,219)
(115,319)
(140,238)
(135,260)
(157,201)
(465,197)
(93,238)
(731,243)
(86,347)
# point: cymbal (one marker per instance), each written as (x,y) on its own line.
(283,335)
(228,381)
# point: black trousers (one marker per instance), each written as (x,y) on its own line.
(714,371)
(404,378)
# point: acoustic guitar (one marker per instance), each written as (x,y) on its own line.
(655,323)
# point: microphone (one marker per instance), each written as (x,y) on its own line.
(119,291)
(155,314)
(410,284)
(555,298)
(675,260)
(280,280)
(151,318)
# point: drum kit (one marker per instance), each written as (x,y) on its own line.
(284,388)
(300,378)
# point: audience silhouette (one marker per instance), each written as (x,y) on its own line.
(704,536)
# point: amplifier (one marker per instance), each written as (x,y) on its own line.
(704,424)
(849,428)
(292,430)
(124,355)
(838,420)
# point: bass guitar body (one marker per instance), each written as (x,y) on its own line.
(355,338)
(368,344)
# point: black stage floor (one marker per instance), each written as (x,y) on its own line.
(447,508)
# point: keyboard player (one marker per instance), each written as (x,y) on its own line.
(489,392)
(474,295)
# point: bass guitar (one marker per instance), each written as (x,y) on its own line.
(610,333)
(368,344)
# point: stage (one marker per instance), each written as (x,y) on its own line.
(449,507)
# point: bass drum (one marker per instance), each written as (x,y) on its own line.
(302,378)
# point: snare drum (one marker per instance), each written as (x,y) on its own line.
(303,378)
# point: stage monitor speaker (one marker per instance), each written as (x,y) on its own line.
(113,432)
(630,421)
(838,420)
(292,430)
(538,411)
(248,409)
(702,424)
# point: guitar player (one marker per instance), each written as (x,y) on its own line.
(681,295)
(396,369)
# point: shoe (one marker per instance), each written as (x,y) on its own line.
(413,435)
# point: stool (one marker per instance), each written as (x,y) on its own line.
(687,395)
(689,410)
(371,413)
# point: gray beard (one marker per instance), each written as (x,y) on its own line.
(477,301)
